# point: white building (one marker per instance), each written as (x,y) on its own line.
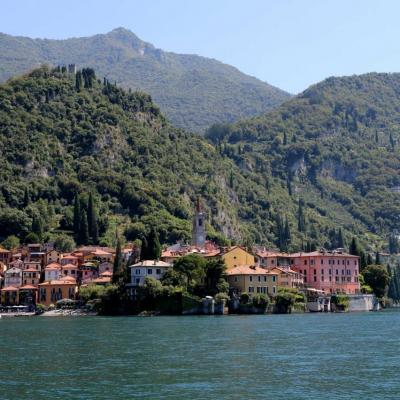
(52,272)
(13,277)
(147,268)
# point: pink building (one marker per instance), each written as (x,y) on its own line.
(330,271)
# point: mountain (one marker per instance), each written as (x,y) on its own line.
(194,92)
(332,153)
(63,134)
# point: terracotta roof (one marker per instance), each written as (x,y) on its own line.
(151,263)
(322,253)
(9,289)
(100,252)
(102,280)
(69,257)
(52,266)
(106,273)
(3,250)
(29,270)
(65,280)
(268,253)
(248,270)
(69,266)
(28,287)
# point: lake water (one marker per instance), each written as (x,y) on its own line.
(311,356)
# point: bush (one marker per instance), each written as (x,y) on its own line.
(341,301)
(260,301)
(284,301)
(220,297)
(244,298)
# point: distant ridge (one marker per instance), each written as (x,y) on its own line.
(194,92)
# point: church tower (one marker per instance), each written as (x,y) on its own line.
(199,228)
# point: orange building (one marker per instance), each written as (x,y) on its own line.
(52,291)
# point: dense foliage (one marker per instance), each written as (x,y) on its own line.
(193,91)
(330,158)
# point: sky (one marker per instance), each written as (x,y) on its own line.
(288,43)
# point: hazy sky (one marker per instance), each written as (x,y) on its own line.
(288,43)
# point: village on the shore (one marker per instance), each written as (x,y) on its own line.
(38,275)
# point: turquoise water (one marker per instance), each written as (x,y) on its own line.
(334,356)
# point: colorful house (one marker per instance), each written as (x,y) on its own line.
(235,256)
(9,296)
(70,270)
(287,277)
(53,256)
(30,276)
(13,277)
(270,259)
(52,291)
(252,279)
(330,271)
(148,268)
(52,272)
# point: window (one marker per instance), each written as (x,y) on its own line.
(315,279)
(149,271)
(305,279)
(322,278)
(137,281)
(273,278)
(322,271)
(348,262)
(251,289)
(342,271)
(337,272)
(259,278)
(235,279)
(315,271)
(258,289)
(267,290)
(337,279)
(137,272)
(251,279)
(274,289)
(305,262)
(342,262)
(322,261)
(265,278)
(311,262)
(330,279)
(305,272)
(158,271)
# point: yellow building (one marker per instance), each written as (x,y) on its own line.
(252,279)
(236,256)
(52,291)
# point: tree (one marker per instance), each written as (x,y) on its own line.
(377,277)
(393,244)
(340,239)
(78,81)
(369,259)
(64,243)
(118,273)
(192,267)
(391,140)
(301,219)
(31,238)
(92,220)
(377,258)
(83,234)
(37,226)
(26,197)
(77,215)
(151,248)
(11,242)
(354,247)
(214,269)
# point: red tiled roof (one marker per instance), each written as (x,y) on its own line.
(322,254)
(248,270)
(52,266)
(9,289)
(69,266)
(28,287)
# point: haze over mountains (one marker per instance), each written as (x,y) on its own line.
(194,92)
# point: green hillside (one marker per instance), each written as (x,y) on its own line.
(193,92)
(334,148)
(317,171)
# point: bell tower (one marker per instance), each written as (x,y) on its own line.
(199,228)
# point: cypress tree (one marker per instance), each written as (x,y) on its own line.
(144,250)
(287,235)
(391,140)
(83,234)
(92,220)
(369,259)
(301,220)
(37,226)
(117,273)
(354,248)
(377,258)
(340,239)
(78,81)
(153,246)
(77,215)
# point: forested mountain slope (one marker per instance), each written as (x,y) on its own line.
(334,148)
(193,91)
